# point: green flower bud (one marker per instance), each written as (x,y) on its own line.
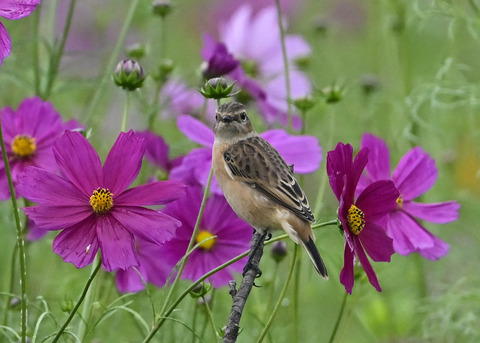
(332,94)
(279,250)
(136,51)
(217,88)
(162,8)
(200,290)
(304,104)
(129,75)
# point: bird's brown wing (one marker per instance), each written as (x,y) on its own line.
(255,162)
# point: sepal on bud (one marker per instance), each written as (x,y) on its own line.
(129,75)
(217,88)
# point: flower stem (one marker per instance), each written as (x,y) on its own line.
(20,240)
(57,57)
(102,85)
(210,317)
(285,63)
(36,52)
(280,298)
(163,311)
(86,311)
(330,222)
(79,302)
(339,318)
(125,111)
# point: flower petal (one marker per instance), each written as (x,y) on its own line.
(46,188)
(56,217)
(78,161)
(78,244)
(439,249)
(339,161)
(195,130)
(154,193)
(415,174)
(116,244)
(17,9)
(376,243)
(372,277)
(129,281)
(123,162)
(378,199)
(156,150)
(378,166)
(440,212)
(147,224)
(5,43)
(346,275)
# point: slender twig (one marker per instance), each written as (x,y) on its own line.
(79,302)
(20,239)
(280,298)
(240,296)
(286,66)
(339,318)
(57,57)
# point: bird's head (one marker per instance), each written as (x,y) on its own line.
(232,123)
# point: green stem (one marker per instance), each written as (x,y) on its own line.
(474,6)
(87,307)
(125,111)
(36,50)
(57,57)
(330,222)
(190,245)
(285,63)
(20,240)
(79,302)
(210,317)
(296,292)
(100,89)
(280,298)
(12,284)
(339,318)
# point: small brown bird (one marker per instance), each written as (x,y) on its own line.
(258,184)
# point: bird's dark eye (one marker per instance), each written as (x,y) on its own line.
(243,116)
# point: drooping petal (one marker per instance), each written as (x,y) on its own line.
(149,225)
(116,244)
(439,249)
(57,217)
(154,193)
(376,242)
(78,244)
(17,9)
(46,188)
(356,171)
(346,275)
(408,235)
(123,162)
(196,130)
(339,161)
(378,166)
(129,280)
(415,174)
(378,199)
(5,43)
(372,277)
(440,212)
(303,152)
(156,149)
(78,161)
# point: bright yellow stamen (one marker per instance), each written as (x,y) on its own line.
(400,202)
(101,200)
(23,146)
(202,236)
(356,219)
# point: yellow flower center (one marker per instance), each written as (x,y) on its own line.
(101,200)
(204,238)
(399,202)
(356,219)
(23,146)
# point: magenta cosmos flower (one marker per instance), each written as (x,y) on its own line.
(13,9)
(228,236)
(415,174)
(29,134)
(360,219)
(92,206)
(218,61)
(303,152)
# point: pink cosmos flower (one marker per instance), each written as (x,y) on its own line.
(222,236)
(13,9)
(157,151)
(360,218)
(29,134)
(303,152)
(92,206)
(218,61)
(414,175)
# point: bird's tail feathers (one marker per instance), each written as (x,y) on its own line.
(314,255)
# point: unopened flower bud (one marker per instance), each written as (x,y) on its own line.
(332,94)
(162,7)
(217,88)
(129,75)
(200,290)
(369,83)
(67,305)
(279,250)
(164,70)
(305,103)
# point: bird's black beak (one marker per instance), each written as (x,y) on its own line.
(227,118)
